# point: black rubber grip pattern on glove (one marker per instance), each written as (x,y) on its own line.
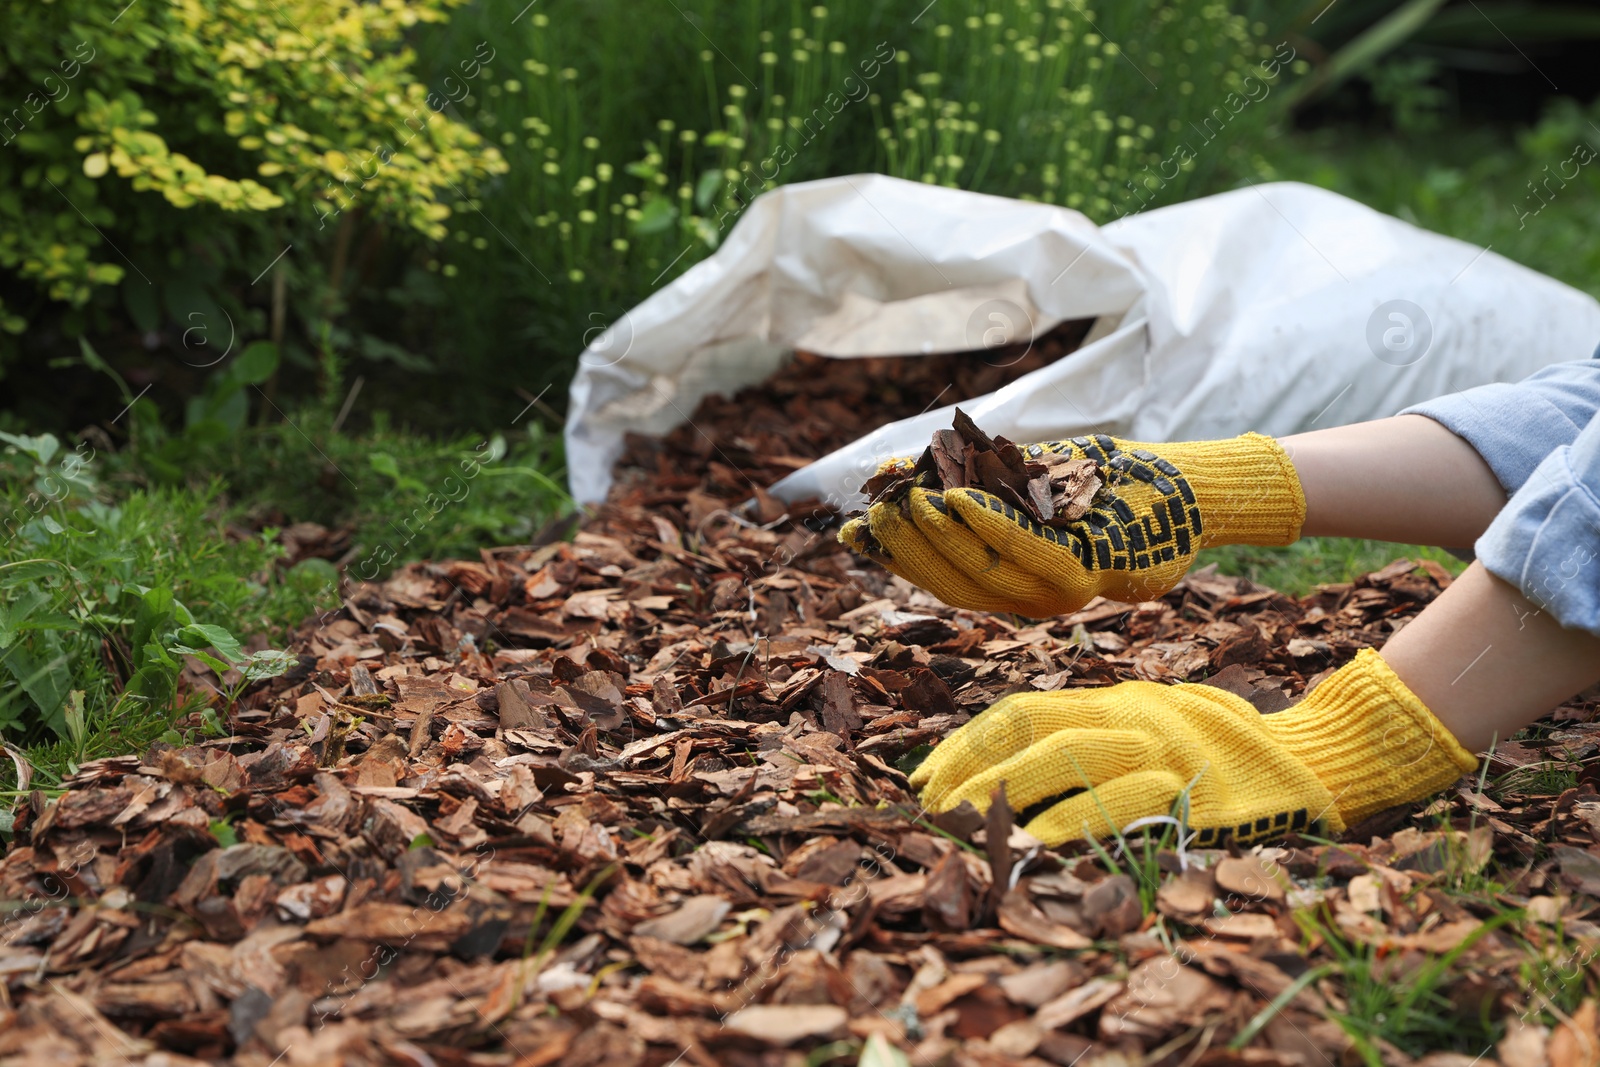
(1111,537)
(1257,831)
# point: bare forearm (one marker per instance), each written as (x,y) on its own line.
(1487,661)
(1405,479)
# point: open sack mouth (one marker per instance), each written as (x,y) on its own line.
(1260,309)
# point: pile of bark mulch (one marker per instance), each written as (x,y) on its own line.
(640,798)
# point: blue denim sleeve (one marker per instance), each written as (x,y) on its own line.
(1546,541)
(1515,426)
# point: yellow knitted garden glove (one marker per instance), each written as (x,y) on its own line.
(1159,506)
(1358,743)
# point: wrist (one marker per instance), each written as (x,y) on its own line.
(1369,740)
(1246,489)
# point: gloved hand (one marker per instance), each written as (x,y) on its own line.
(1358,743)
(1160,505)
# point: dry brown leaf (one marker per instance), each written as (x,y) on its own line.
(1021,917)
(1251,878)
(1525,1044)
(1112,908)
(1161,996)
(1576,1041)
(1039,982)
(1242,925)
(1054,489)
(1189,897)
(688,923)
(783,1025)
(1074,1004)
(933,1001)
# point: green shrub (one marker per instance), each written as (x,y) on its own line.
(174,149)
(630,163)
(100,602)
(401,495)
(115,567)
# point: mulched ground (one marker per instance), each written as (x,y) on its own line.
(640,798)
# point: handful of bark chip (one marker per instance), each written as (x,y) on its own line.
(1053,488)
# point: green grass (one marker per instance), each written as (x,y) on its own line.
(407,495)
(1394,998)
(1540,780)
(1558,971)
(1140,858)
(1299,568)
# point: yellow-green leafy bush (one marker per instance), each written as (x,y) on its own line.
(175,147)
